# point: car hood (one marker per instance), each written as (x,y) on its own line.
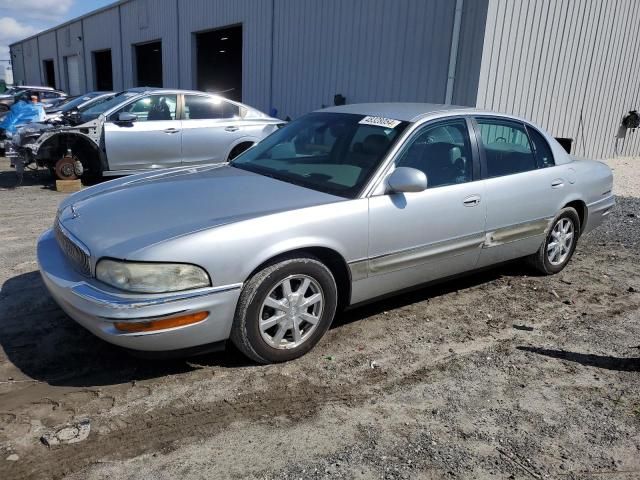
(120,217)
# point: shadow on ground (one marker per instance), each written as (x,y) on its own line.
(9,179)
(433,290)
(599,361)
(46,345)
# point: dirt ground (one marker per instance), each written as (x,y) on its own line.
(498,375)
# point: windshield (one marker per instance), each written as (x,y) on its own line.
(74,103)
(334,153)
(94,111)
(14,91)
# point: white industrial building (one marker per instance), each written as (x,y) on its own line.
(570,65)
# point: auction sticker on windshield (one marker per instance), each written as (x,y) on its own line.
(380,122)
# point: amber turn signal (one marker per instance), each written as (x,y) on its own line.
(165,323)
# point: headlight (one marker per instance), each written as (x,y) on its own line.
(151,277)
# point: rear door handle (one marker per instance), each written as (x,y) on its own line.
(471,201)
(557,183)
(171,130)
(231,129)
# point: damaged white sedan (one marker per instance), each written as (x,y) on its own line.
(144,129)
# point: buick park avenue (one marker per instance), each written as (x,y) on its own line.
(334,209)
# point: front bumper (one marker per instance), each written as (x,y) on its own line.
(97,308)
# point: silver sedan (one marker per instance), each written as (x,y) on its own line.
(146,129)
(337,208)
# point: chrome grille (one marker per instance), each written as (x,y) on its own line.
(77,256)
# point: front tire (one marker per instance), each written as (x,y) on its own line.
(560,243)
(284,310)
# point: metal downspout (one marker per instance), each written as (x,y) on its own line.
(453,56)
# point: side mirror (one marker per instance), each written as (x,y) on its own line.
(406,179)
(126,117)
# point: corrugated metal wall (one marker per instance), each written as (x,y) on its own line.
(145,21)
(48,51)
(365,50)
(31,61)
(201,15)
(571,66)
(17,63)
(70,44)
(102,32)
(465,87)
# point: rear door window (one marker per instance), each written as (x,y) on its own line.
(506,146)
(544,156)
(199,107)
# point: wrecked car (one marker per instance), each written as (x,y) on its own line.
(146,129)
(48,96)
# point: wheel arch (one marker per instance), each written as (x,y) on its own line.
(583,212)
(330,257)
(248,141)
(63,141)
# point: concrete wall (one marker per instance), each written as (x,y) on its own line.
(573,66)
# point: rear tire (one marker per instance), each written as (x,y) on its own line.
(559,244)
(284,310)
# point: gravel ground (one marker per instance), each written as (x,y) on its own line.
(497,375)
(626,171)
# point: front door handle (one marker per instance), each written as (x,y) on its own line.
(471,201)
(171,130)
(231,129)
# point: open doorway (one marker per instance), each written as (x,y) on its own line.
(219,61)
(49,73)
(102,70)
(148,58)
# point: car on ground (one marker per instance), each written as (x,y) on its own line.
(48,96)
(338,207)
(149,129)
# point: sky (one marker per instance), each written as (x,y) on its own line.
(22,18)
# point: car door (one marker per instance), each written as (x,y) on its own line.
(522,193)
(153,140)
(421,236)
(210,126)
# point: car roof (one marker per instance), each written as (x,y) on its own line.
(169,90)
(408,112)
(33,87)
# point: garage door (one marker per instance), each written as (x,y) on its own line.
(73,75)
